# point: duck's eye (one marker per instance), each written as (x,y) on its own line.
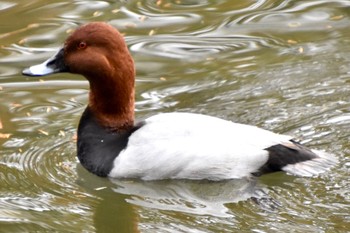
(82,45)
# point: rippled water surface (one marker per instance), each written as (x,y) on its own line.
(280,65)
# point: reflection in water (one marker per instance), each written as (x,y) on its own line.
(114,214)
(110,210)
(196,197)
(125,204)
(130,205)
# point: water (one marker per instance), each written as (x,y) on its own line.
(280,65)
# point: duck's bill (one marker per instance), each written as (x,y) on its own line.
(55,64)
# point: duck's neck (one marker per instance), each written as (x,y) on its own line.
(111,100)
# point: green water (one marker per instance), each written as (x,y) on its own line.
(280,65)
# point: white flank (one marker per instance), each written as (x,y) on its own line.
(194,146)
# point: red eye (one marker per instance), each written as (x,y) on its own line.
(82,45)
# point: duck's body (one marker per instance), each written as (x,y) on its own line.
(190,146)
(168,145)
(193,146)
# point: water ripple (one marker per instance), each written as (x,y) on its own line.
(160,23)
(290,17)
(199,48)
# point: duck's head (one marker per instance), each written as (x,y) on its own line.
(99,53)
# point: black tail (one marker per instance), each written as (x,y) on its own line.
(296,159)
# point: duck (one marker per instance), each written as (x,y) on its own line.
(176,145)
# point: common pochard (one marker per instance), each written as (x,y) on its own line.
(169,145)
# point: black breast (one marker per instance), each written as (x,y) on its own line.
(98,146)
